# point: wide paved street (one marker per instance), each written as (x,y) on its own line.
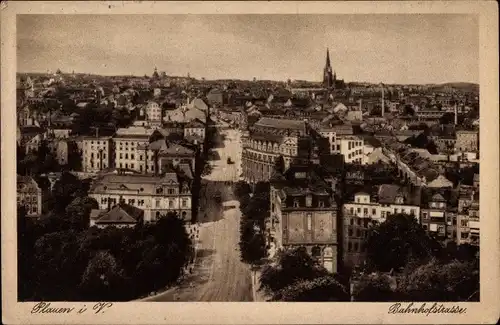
(218,275)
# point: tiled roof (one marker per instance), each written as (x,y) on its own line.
(121,213)
(267,122)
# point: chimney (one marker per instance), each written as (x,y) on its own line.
(456,114)
(383,100)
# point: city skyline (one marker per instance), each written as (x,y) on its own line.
(445,49)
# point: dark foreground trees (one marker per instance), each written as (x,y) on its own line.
(254,210)
(100,264)
(295,276)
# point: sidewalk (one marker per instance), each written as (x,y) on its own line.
(258,296)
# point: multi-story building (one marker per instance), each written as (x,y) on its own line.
(126,143)
(360,213)
(154,114)
(97,153)
(467,141)
(433,217)
(195,128)
(304,213)
(468,226)
(29,195)
(155,157)
(156,195)
(352,148)
(270,138)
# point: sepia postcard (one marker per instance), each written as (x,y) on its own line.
(252,162)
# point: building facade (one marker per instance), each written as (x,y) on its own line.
(97,153)
(155,195)
(467,141)
(304,214)
(29,195)
(267,140)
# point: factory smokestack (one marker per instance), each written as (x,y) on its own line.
(382,100)
(456,114)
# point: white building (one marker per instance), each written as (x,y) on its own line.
(155,195)
(97,153)
(392,200)
(352,147)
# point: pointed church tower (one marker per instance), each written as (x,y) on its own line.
(155,74)
(327,72)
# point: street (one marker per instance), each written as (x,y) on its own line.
(218,273)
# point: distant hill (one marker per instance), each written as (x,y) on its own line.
(461,86)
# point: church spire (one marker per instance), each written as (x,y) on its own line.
(328,58)
(327,72)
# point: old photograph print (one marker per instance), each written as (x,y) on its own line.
(198,158)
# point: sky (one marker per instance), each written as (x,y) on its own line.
(430,48)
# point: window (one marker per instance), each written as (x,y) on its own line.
(374,212)
(121,156)
(184,203)
(352,221)
(350,232)
(132,166)
(359,222)
(412,212)
(424,215)
(140,157)
(308,201)
(349,247)
(321,204)
(171,191)
(352,210)
(358,233)
(463,223)
(158,203)
(92,155)
(425,227)
(159,190)
(365,211)
(309,221)
(296,204)
(170,204)
(464,235)
(356,246)
(126,156)
(359,210)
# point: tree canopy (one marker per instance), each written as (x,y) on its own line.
(394,242)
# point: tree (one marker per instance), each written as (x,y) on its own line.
(241,189)
(78,212)
(279,164)
(408,110)
(67,188)
(252,242)
(207,169)
(290,267)
(374,287)
(435,281)
(103,278)
(325,288)
(394,242)
(447,118)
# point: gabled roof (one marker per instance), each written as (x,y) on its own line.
(119,214)
(195,123)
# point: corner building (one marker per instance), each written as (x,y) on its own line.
(304,214)
(270,138)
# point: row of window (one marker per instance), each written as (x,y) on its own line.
(356,247)
(355,153)
(27,199)
(383,213)
(354,144)
(359,232)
